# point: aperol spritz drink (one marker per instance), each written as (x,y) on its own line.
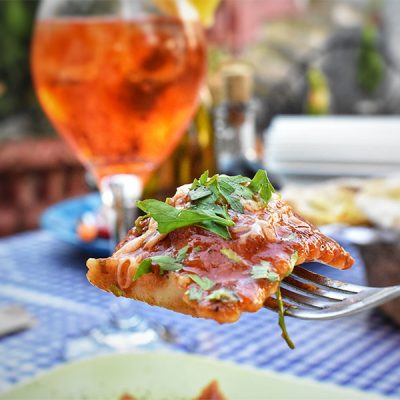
(119,80)
(120,91)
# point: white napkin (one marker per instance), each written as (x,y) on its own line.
(14,318)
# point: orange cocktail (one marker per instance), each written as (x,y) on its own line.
(120,91)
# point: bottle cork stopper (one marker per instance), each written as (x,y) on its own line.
(237,82)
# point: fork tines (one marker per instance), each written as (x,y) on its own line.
(310,291)
(308,295)
(300,272)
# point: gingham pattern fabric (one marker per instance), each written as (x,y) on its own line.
(48,277)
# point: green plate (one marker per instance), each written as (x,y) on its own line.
(171,376)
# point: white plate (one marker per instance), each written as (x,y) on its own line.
(172,376)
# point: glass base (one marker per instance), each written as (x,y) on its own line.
(126,331)
(125,336)
(119,194)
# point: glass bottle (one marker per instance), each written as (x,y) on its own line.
(194,154)
(235,121)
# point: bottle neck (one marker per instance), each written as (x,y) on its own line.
(235,126)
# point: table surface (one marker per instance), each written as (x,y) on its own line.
(47,276)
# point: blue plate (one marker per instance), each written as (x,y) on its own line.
(62,218)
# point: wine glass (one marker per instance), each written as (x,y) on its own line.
(119,80)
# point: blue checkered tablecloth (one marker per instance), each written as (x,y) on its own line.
(48,278)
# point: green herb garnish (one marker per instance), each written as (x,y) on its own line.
(116,291)
(292,262)
(210,199)
(194,293)
(293,259)
(170,218)
(165,263)
(143,268)
(292,236)
(232,255)
(199,193)
(261,184)
(138,221)
(223,295)
(282,324)
(182,253)
(217,229)
(205,283)
(204,177)
(264,271)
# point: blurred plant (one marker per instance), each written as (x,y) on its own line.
(318,97)
(16,92)
(370,65)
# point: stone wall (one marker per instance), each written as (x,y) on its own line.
(35,173)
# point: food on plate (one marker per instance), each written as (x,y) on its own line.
(211,392)
(127,396)
(331,202)
(365,202)
(218,248)
(379,200)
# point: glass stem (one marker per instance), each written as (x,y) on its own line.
(119,194)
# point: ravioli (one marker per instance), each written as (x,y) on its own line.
(218,248)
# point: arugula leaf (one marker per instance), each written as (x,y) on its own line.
(282,324)
(169,218)
(232,255)
(116,291)
(194,293)
(263,271)
(182,253)
(261,184)
(196,249)
(205,283)
(223,295)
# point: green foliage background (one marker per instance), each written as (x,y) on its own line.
(16,89)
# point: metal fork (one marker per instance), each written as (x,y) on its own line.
(308,295)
